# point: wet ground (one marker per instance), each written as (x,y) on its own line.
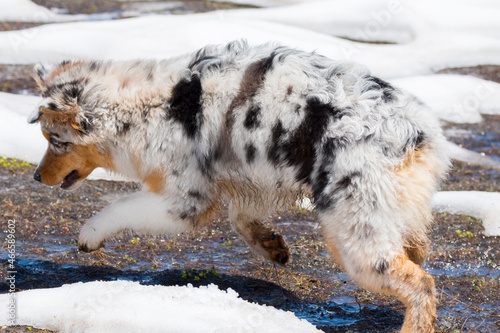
(463,261)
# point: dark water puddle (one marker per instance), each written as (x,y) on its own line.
(346,312)
(465,269)
(471,136)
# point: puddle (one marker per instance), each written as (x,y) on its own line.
(466,269)
(485,141)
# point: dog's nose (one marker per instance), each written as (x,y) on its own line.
(37,176)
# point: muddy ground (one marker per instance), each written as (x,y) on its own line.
(463,261)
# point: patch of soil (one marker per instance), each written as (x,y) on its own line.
(18,79)
(483,138)
(486,72)
(8,26)
(117,6)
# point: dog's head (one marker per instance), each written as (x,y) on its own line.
(68,124)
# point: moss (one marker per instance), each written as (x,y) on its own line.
(7,162)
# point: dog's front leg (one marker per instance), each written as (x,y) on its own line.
(141,212)
(259,236)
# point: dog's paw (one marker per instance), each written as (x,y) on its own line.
(86,248)
(276,249)
(89,240)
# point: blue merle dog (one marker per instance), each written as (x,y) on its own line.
(257,128)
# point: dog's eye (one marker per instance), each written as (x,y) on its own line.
(57,143)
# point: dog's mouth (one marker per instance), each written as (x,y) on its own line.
(70,180)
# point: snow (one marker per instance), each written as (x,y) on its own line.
(124,306)
(339,18)
(382,20)
(456,98)
(27,11)
(482,205)
(24,10)
(17,139)
(146,37)
(468,156)
(157,36)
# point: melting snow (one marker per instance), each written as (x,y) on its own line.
(27,11)
(124,306)
(482,205)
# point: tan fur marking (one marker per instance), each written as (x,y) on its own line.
(155,181)
(95,157)
(39,82)
(335,252)
(416,289)
(62,69)
(208,214)
(271,200)
(416,250)
(125,83)
(417,179)
(411,158)
(52,118)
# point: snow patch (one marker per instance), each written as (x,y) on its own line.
(157,37)
(124,306)
(27,11)
(455,98)
(468,156)
(18,139)
(481,205)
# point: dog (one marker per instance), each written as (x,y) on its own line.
(256,127)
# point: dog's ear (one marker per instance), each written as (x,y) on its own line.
(60,119)
(41,72)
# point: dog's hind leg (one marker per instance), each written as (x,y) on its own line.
(141,212)
(380,265)
(376,216)
(416,250)
(259,236)
(416,289)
